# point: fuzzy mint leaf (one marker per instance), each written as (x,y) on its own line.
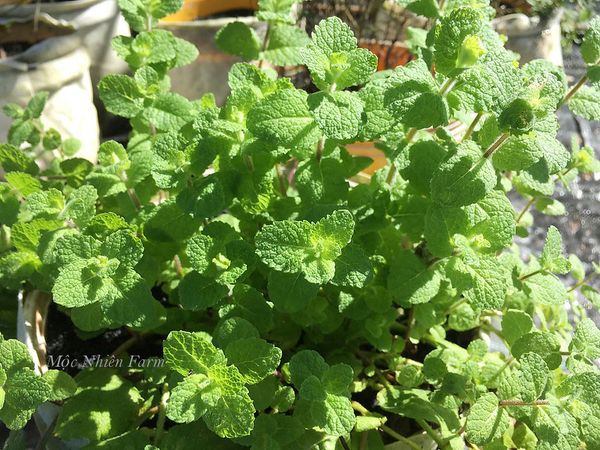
(515,324)
(324,393)
(285,44)
(490,85)
(546,288)
(223,401)
(139,12)
(333,58)
(198,292)
(112,406)
(413,97)
(488,282)
(464,178)
(290,292)
(13,159)
(552,258)
(528,382)
(454,29)
(585,103)
(411,281)
(486,421)
(338,114)
(585,344)
(276,11)
(305,247)
(168,111)
(353,268)
(255,358)
(185,352)
(121,96)
(590,47)
(237,38)
(545,344)
(283,118)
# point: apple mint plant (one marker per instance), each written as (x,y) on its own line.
(293,307)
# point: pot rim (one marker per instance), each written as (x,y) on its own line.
(31,8)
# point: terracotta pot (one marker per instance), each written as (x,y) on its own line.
(389,54)
(193,9)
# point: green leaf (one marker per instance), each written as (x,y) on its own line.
(333,59)
(544,344)
(585,103)
(168,111)
(546,288)
(489,283)
(486,420)
(25,390)
(237,38)
(552,256)
(214,390)
(290,292)
(450,35)
(104,406)
(411,281)
(413,97)
(585,343)
(534,376)
(324,392)
(24,183)
(61,384)
(333,36)
(139,12)
(185,402)
(285,43)
(14,160)
(185,351)
(309,248)
(490,85)
(275,11)
(515,324)
(590,47)
(352,268)
(233,329)
(283,118)
(464,178)
(121,96)
(338,114)
(255,358)
(198,293)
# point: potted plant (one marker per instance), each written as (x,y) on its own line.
(45,55)
(535,28)
(270,303)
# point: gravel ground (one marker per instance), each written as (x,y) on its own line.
(580,226)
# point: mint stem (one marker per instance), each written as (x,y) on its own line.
(472,127)
(522,403)
(582,282)
(573,90)
(264,45)
(432,433)
(525,209)
(529,275)
(492,148)
(162,415)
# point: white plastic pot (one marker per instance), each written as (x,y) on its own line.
(61,67)
(97,22)
(532,37)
